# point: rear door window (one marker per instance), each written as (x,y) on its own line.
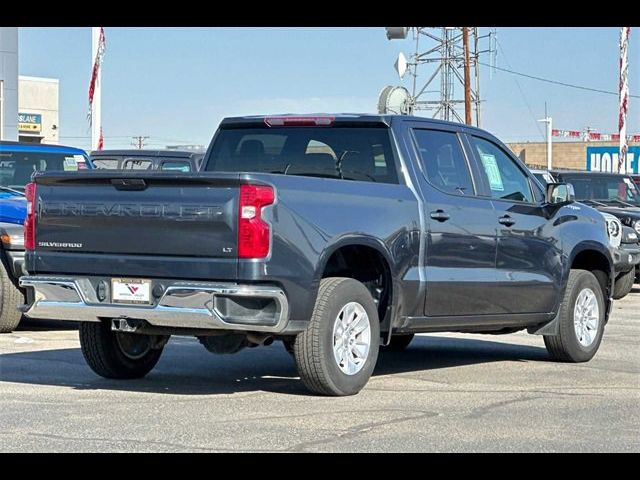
(443,161)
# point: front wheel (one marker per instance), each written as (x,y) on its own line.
(118,355)
(581,320)
(338,351)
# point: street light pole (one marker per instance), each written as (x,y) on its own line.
(549,122)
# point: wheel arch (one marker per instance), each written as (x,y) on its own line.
(593,257)
(350,248)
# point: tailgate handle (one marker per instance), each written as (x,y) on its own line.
(129,183)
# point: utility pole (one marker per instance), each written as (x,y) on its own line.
(138,141)
(467,76)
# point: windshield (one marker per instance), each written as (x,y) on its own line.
(350,153)
(16,168)
(608,189)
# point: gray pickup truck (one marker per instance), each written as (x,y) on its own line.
(336,234)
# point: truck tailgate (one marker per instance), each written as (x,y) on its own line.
(138,214)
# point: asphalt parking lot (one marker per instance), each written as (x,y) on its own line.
(447,392)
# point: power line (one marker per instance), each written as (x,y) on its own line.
(89,136)
(555,82)
(533,117)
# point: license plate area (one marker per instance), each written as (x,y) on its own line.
(131,291)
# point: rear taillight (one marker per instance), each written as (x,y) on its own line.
(30,219)
(254,234)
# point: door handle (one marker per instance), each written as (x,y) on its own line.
(440,216)
(506,220)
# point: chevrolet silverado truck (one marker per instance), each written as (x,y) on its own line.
(336,234)
(18,161)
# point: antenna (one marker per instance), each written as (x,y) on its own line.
(401,65)
(397,33)
(395,100)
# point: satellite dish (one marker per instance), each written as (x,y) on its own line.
(394,100)
(397,33)
(401,65)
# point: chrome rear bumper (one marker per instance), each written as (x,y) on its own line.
(182,304)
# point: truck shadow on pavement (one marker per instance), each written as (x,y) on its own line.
(187,369)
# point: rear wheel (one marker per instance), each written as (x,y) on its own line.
(338,351)
(119,355)
(624,284)
(581,320)
(10,298)
(398,343)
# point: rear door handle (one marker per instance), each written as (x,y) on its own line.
(440,216)
(506,220)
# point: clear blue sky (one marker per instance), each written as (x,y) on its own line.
(175,84)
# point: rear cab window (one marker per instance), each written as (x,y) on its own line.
(17,167)
(349,153)
(137,164)
(106,163)
(175,166)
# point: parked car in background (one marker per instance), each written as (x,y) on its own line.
(165,160)
(334,234)
(625,250)
(543,176)
(614,194)
(18,162)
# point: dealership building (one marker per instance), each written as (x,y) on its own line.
(29,106)
(593,156)
(8,83)
(38,110)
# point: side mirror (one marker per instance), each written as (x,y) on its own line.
(560,193)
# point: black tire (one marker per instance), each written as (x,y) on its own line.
(565,347)
(398,343)
(103,351)
(313,348)
(10,298)
(624,284)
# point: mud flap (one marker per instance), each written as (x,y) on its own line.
(550,328)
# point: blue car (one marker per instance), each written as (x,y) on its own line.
(18,161)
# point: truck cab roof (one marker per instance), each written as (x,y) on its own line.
(6,145)
(337,119)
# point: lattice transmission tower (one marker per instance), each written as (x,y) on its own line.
(440,55)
